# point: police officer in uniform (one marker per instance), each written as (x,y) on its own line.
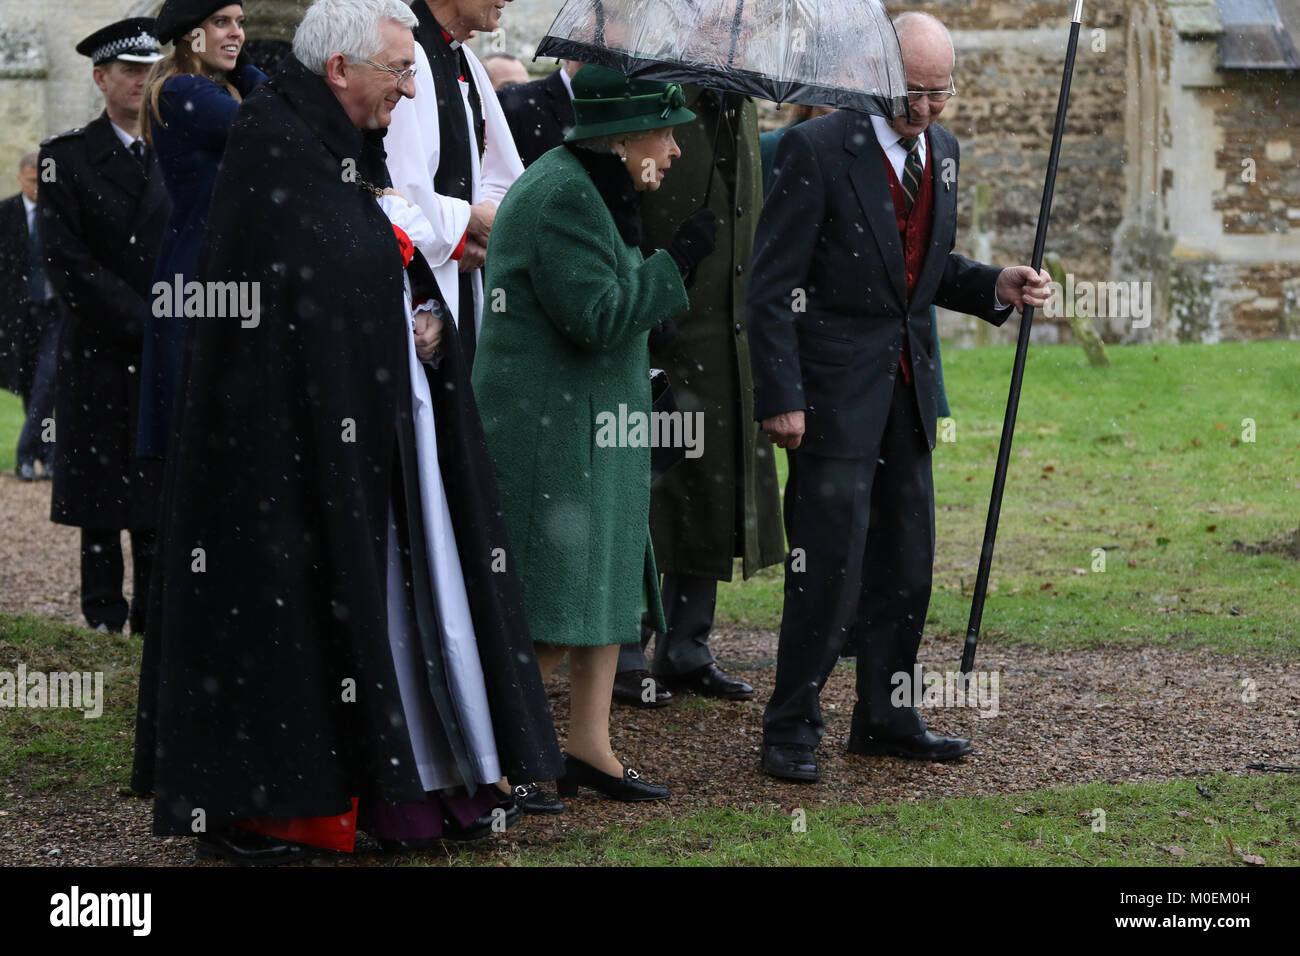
(101,216)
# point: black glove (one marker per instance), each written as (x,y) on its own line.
(662,338)
(245,76)
(695,239)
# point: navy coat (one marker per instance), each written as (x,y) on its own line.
(196,117)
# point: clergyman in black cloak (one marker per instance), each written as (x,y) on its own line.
(268,687)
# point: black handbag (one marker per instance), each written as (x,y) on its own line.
(661,393)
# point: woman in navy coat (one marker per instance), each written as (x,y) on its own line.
(191,102)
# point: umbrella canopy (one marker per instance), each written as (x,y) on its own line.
(838,53)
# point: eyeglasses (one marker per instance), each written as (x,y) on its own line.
(937,97)
(402,75)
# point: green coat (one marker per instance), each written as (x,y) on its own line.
(568,308)
(695,506)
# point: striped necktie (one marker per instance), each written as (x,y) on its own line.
(913,169)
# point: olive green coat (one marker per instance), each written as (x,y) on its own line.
(568,308)
(726,503)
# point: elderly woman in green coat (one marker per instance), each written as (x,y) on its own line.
(562,383)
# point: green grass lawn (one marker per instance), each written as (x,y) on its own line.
(59,748)
(1145,460)
(11,423)
(1144,825)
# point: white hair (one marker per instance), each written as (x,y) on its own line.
(350,27)
(601,144)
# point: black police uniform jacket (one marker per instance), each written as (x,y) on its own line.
(101,218)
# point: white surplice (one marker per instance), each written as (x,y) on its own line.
(459,645)
(413,144)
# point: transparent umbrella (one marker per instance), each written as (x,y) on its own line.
(838,53)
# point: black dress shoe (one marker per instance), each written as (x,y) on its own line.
(790,762)
(482,828)
(533,799)
(452,830)
(246,848)
(924,746)
(630,689)
(26,471)
(628,788)
(711,681)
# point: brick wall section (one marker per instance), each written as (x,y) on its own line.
(1255,117)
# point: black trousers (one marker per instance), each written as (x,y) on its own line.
(689,602)
(38,399)
(861,534)
(102,601)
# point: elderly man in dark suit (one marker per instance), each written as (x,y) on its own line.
(853,246)
(540,113)
(101,220)
(30,326)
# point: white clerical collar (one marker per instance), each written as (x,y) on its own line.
(450,40)
(126,138)
(568,80)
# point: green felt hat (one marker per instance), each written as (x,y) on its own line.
(606,102)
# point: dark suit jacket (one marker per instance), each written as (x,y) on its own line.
(101,221)
(828,230)
(14,306)
(540,114)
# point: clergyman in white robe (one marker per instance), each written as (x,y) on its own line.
(413,143)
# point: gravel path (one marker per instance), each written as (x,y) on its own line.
(1068,718)
(1123,714)
(39,569)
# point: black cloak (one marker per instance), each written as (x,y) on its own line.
(273,547)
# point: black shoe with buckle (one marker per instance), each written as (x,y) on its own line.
(533,799)
(628,788)
(246,848)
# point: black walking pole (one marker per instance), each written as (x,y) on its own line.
(1022,350)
